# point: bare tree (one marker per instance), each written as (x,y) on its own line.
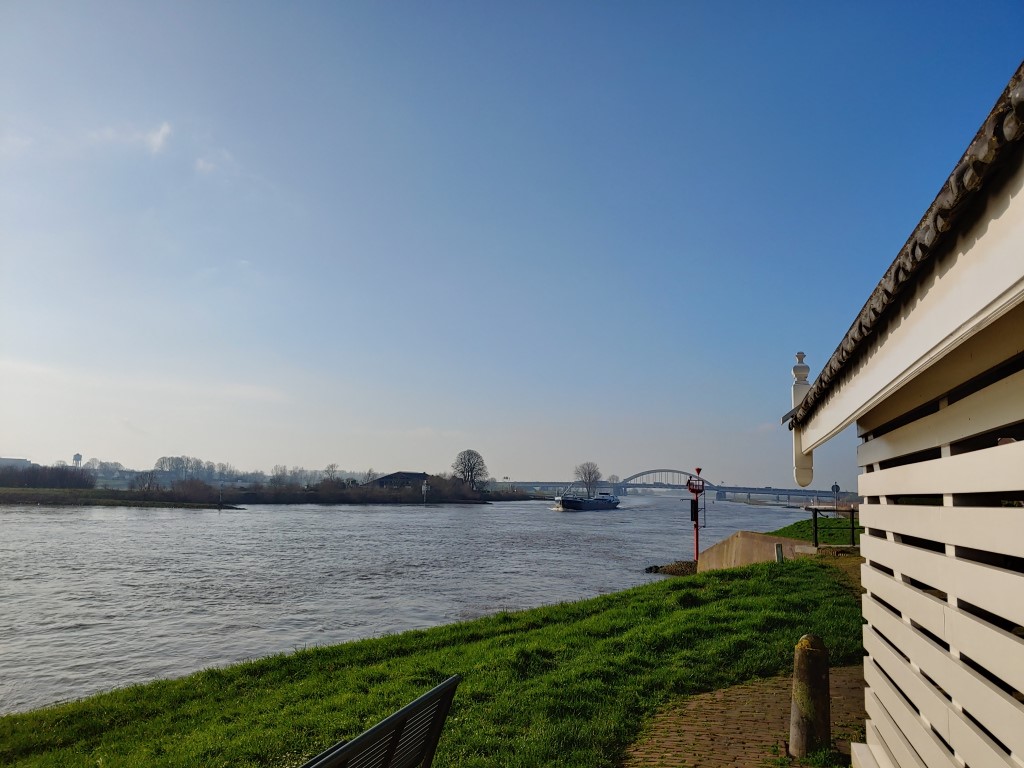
(369,476)
(469,467)
(613,479)
(279,475)
(588,474)
(331,473)
(145,481)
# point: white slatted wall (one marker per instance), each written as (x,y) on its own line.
(944,575)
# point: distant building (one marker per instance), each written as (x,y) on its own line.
(16,463)
(932,373)
(400,480)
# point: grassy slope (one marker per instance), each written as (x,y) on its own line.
(564,685)
(831,530)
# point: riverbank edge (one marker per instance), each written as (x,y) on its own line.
(15,497)
(582,676)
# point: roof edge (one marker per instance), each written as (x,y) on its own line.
(988,152)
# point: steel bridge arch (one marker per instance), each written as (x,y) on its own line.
(631,478)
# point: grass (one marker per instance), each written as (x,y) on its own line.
(831,530)
(564,685)
(826,758)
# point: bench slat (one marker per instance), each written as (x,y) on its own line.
(406,739)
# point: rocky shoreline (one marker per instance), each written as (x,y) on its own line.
(678,568)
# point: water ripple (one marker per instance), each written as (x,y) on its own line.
(95,598)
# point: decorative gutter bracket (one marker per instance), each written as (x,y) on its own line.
(803,463)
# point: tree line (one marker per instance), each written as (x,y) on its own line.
(58,476)
(189,479)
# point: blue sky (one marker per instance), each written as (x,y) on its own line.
(376,234)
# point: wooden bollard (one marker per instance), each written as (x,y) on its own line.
(810,719)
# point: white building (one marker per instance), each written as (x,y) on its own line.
(932,373)
(16,463)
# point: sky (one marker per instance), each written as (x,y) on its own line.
(376,234)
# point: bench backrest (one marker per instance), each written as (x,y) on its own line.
(406,739)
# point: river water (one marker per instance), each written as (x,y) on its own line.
(94,598)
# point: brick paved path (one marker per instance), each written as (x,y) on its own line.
(738,727)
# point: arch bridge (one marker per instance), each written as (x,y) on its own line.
(675,479)
(661,478)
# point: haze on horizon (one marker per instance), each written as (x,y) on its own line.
(377,234)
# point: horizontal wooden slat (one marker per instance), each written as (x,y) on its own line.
(997,711)
(998,342)
(966,739)
(974,747)
(926,610)
(933,707)
(997,650)
(891,731)
(991,408)
(862,756)
(994,589)
(993,529)
(929,567)
(1000,468)
(879,749)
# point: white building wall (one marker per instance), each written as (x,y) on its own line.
(944,581)
(932,395)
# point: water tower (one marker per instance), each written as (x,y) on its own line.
(77,459)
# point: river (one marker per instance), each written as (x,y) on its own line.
(94,598)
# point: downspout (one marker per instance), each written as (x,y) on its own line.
(803,462)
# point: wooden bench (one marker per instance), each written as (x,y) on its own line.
(406,739)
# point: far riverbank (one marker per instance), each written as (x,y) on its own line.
(234,498)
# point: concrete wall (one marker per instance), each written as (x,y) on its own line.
(745,547)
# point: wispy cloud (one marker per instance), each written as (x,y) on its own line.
(12,144)
(149,385)
(158,138)
(154,140)
(215,160)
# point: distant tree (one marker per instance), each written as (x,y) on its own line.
(257,476)
(613,479)
(60,475)
(331,472)
(225,471)
(588,474)
(279,475)
(369,476)
(469,467)
(145,481)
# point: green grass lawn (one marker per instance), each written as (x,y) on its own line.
(831,530)
(565,685)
